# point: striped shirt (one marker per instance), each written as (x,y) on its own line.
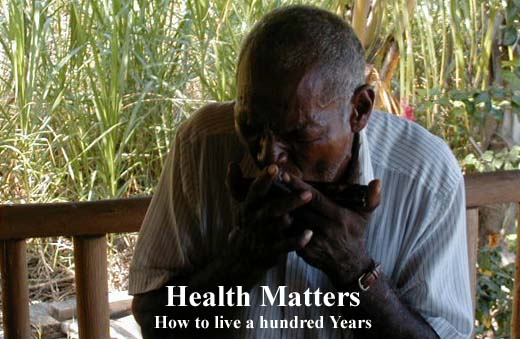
(418,232)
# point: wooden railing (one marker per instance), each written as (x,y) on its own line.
(89,222)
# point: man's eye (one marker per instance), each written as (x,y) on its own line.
(304,138)
(307,140)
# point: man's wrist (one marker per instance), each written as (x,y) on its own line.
(370,277)
(347,279)
(242,251)
(241,246)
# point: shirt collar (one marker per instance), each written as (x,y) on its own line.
(366,171)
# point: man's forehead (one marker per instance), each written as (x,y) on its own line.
(273,114)
(312,86)
(285,117)
(297,98)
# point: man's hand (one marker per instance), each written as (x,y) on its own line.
(337,245)
(265,232)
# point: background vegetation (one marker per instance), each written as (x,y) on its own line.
(91,93)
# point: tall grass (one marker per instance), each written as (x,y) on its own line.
(91,92)
(85,78)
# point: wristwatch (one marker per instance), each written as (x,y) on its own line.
(369,278)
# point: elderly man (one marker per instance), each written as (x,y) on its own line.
(299,117)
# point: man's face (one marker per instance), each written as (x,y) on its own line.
(283,120)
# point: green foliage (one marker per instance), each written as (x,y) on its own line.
(91,92)
(495,268)
(94,90)
(494,290)
(493,161)
(462,114)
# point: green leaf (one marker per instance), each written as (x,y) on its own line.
(512,79)
(435,91)
(496,113)
(515,100)
(498,92)
(470,158)
(511,63)
(444,101)
(512,12)
(459,95)
(488,156)
(458,112)
(509,36)
(421,92)
(482,97)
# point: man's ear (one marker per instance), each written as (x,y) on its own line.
(362,104)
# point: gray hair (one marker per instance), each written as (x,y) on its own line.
(296,38)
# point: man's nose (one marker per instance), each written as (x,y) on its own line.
(272,151)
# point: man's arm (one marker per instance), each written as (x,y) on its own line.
(259,242)
(390,317)
(432,274)
(337,248)
(228,269)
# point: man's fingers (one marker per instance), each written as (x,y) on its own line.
(295,242)
(278,207)
(305,239)
(238,185)
(235,182)
(373,196)
(322,203)
(309,219)
(261,186)
(319,201)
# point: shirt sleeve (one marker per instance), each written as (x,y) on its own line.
(434,279)
(170,228)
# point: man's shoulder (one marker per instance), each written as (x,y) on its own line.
(401,146)
(214,119)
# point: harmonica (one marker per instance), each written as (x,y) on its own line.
(351,196)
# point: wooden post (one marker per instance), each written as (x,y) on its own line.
(15,289)
(90,256)
(515,319)
(472,237)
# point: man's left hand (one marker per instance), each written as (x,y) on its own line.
(337,245)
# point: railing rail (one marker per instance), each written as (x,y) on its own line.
(72,219)
(89,222)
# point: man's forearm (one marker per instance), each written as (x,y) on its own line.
(390,317)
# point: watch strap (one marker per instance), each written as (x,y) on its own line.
(369,278)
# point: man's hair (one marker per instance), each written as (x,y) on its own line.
(297,38)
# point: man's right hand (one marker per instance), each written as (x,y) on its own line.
(265,226)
